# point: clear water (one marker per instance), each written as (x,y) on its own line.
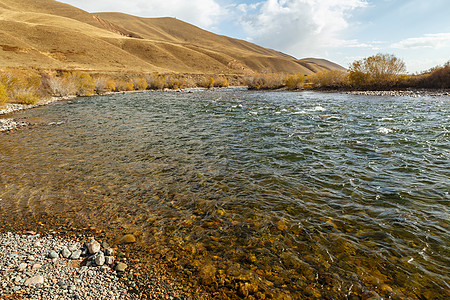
(308,195)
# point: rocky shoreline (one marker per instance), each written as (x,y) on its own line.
(34,266)
(403,93)
(10,124)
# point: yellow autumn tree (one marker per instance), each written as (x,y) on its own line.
(378,71)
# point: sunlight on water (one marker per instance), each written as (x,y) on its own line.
(312,195)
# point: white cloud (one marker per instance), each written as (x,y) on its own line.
(203,13)
(299,27)
(432,41)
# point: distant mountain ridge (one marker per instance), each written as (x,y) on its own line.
(47,34)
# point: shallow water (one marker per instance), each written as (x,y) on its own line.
(252,193)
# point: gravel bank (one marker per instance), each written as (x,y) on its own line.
(11,124)
(407,93)
(27,271)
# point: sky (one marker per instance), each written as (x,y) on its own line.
(417,31)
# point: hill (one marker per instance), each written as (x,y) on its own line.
(47,34)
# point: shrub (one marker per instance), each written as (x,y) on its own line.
(101,85)
(61,86)
(174,82)
(21,86)
(110,85)
(140,83)
(207,82)
(294,82)
(123,85)
(25,97)
(330,79)
(3,95)
(264,81)
(84,83)
(221,82)
(155,82)
(378,71)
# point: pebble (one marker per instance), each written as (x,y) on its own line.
(39,279)
(65,252)
(121,267)
(53,254)
(22,266)
(99,258)
(52,280)
(76,255)
(93,246)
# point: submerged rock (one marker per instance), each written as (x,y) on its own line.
(128,239)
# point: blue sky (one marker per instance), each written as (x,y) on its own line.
(417,31)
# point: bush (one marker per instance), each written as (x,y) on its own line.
(21,86)
(123,85)
(84,83)
(264,81)
(294,82)
(3,95)
(207,82)
(140,83)
(174,82)
(101,85)
(155,82)
(330,79)
(25,97)
(61,86)
(378,71)
(221,82)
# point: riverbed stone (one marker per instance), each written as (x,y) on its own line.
(109,260)
(53,254)
(109,252)
(121,267)
(99,258)
(93,246)
(128,239)
(76,255)
(65,252)
(39,279)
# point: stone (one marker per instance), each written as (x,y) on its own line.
(109,260)
(53,254)
(66,252)
(35,280)
(36,266)
(22,266)
(109,252)
(93,246)
(76,255)
(128,239)
(105,245)
(73,248)
(99,258)
(121,267)
(31,258)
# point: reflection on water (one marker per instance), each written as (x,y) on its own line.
(252,194)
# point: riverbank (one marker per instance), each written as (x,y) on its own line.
(415,93)
(34,265)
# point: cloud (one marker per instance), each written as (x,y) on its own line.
(432,41)
(299,27)
(203,13)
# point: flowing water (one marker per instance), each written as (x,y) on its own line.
(252,194)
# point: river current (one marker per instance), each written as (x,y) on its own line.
(252,194)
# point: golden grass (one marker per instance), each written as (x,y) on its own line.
(47,34)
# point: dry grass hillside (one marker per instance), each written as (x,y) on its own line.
(47,34)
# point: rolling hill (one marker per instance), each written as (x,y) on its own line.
(47,34)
